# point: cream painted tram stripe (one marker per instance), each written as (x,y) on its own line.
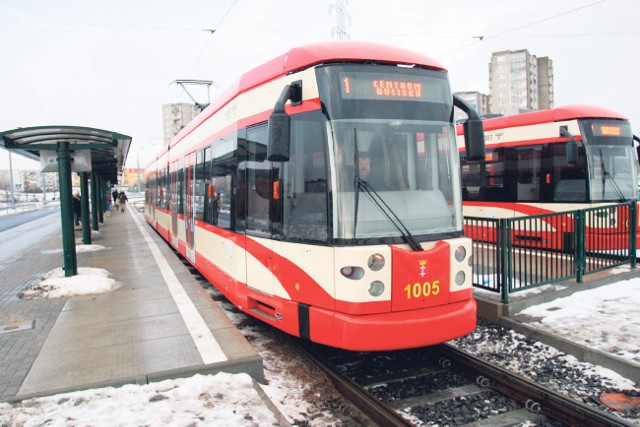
(207,345)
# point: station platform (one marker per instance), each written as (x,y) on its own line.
(159,324)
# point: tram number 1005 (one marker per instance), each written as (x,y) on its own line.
(422,290)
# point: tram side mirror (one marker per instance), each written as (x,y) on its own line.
(473,130)
(474,139)
(279,145)
(279,137)
(571,147)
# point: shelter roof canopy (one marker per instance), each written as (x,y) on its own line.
(108,149)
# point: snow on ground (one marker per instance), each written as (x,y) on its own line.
(79,248)
(88,281)
(202,400)
(605,317)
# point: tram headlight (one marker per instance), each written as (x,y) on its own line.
(353,273)
(460,278)
(471,261)
(375,262)
(461,252)
(376,288)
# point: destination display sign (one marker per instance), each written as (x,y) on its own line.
(384,86)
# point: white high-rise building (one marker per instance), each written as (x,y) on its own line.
(519,82)
(175,117)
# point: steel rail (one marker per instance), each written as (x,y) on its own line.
(550,403)
(354,393)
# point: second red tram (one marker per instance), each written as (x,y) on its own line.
(562,159)
(321,194)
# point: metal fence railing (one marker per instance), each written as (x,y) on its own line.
(514,254)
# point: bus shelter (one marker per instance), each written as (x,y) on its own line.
(97,155)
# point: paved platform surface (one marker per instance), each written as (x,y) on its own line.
(159,324)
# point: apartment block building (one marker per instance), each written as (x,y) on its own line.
(519,82)
(175,117)
(479,101)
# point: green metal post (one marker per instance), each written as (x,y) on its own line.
(580,251)
(84,201)
(504,267)
(633,224)
(101,200)
(66,210)
(94,202)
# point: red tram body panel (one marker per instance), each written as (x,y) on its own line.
(306,242)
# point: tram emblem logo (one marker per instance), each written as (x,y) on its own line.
(423,267)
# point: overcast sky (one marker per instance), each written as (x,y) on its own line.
(109,64)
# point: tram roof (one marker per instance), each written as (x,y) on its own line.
(108,149)
(306,56)
(567,112)
(302,57)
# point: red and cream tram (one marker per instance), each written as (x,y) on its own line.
(265,194)
(558,160)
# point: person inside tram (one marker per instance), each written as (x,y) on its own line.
(367,172)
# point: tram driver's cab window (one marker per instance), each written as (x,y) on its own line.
(304,192)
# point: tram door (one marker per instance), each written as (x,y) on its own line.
(190,203)
(173,174)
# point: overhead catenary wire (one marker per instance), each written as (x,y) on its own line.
(211,32)
(480,39)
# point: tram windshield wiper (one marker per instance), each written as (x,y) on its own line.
(390,214)
(605,175)
(356,178)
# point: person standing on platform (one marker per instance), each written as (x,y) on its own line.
(122,200)
(77,209)
(114,197)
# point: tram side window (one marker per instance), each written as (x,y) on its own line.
(304,192)
(167,185)
(222,167)
(206,214)
(171,187)
(151,185)
(528,174)
(484,181)
(200,186)
(180,191)
(258,181)
(568,181)
(160,193)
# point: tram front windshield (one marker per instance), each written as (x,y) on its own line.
(612,160)
(393,156)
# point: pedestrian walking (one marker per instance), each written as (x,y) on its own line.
(77,209)
(122,200)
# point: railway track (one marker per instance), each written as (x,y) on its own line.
(443,386)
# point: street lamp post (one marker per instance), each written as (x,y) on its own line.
(11,178)
(138,169)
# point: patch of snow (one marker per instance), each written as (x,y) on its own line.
(88,281)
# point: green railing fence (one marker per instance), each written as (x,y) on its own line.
(514,254)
